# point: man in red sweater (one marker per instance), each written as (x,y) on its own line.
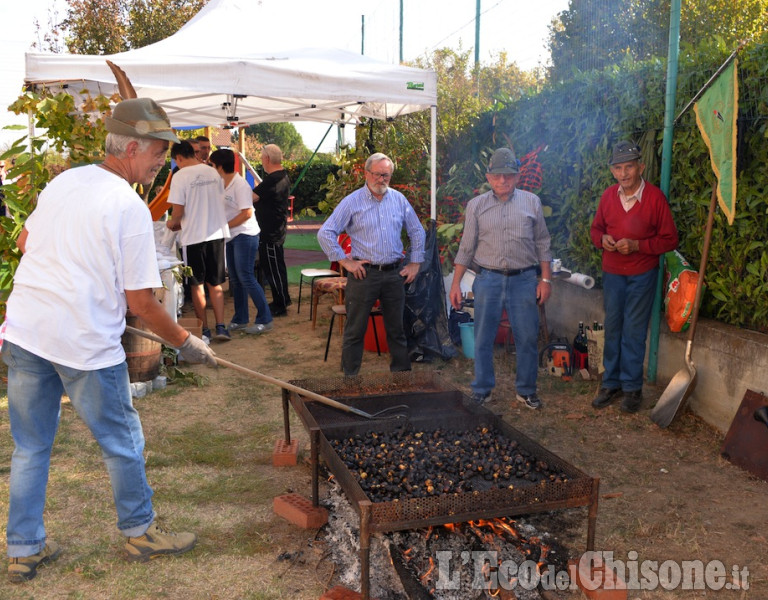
(633,227)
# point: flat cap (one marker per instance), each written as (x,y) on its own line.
(503,161)
(625,152)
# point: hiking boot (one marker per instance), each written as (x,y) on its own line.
(632,401)
(157,542)
(24,568)
(480,399)
(222,334)
(259,328)
(530,400)
(237,326)
(606,397)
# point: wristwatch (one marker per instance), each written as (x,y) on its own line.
(549,281)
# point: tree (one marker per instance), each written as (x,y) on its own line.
(593,34)
(464,91)
(95,27)
(111,26)
(150,21)
(282,134)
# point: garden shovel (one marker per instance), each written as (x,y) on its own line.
(682,384)
(382,414)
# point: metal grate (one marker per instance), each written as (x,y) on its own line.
(432,404)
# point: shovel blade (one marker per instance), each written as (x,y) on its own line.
(673,398)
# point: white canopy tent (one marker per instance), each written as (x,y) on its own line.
(207,74)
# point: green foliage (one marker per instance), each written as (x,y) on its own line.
(349,177)
(111,26)
(150,21)
(308,192)
(448,240)
(68,130)
(30,176)
(596,34)
(284,135)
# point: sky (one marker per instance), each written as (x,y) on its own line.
(516,27)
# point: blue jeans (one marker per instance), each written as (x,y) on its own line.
(628,301)
(242,251)
(517,294)
(102,399)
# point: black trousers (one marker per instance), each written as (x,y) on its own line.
(272,270)
(360,296)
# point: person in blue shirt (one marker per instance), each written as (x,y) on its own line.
(374,217)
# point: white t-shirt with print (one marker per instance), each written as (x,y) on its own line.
(200,190)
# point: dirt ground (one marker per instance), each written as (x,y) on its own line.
(666,495)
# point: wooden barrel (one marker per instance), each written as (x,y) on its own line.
(143,356)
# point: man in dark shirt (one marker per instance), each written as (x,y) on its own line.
(270,200)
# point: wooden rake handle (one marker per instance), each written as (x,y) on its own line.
(278,382)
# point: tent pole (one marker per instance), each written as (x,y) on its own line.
(306,166)
(241,148)
(433,163)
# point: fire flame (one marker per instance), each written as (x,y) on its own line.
(494,533)
(429,571)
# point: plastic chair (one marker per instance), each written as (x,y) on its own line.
(311,275)
(341,311)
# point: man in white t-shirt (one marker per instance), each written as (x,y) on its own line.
(197,198)
(88,255)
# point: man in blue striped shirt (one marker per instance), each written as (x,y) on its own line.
(506,241)
(373,217)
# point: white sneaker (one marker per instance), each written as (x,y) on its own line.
(237,326)
(259,328)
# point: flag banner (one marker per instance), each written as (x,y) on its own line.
(716,114)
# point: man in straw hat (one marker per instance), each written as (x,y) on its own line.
(89,255)
(506,240)
(633,226)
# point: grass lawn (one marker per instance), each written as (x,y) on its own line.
(302,241)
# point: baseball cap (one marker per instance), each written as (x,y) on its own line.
(625,152)
(140,118)
(503,161)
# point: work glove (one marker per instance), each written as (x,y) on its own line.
(194,350)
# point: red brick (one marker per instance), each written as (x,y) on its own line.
(285,454)
(299,511)
(611,586)
(339,592)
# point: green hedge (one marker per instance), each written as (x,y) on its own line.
(579,121)
(307,193)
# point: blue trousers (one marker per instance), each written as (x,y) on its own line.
(628,301)
(517,294)
(102,399)
(242,251)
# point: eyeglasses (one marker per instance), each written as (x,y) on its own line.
(383,176)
